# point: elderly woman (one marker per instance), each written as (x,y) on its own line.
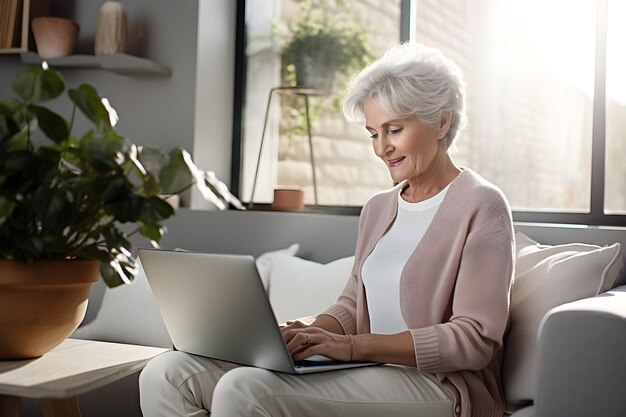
(429,291)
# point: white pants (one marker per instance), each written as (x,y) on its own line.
(179,384)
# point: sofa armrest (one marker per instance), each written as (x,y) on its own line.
(582,358)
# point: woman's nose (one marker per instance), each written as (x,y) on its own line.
(382,146)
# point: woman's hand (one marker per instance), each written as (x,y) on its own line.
(303,341)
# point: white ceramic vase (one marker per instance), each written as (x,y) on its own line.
(112,28)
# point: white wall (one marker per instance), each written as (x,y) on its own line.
(214,90)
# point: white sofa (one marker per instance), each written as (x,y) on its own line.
(576,367)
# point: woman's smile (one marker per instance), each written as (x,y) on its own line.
(395,162)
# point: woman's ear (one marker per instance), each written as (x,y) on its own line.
(444,123)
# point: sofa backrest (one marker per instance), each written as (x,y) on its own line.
(323,237)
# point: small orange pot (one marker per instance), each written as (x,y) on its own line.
(288,199)
(41,304)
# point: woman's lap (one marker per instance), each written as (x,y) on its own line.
(206,384)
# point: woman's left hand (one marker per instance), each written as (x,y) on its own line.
(307,341)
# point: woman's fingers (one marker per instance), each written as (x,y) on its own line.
(288,325)
(298,340)
(295,324)
(304,342)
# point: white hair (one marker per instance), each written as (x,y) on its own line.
(411,80)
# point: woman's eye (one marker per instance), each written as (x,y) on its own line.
(374,136)
(395,130)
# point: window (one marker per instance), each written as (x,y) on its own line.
(539,125)
(525,80)
(615,185)
(346,170)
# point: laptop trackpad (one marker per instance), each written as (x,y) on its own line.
(316,360)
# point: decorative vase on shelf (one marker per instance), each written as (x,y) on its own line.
(112,28)
(54,36)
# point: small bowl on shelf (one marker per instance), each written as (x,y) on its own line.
(54,36)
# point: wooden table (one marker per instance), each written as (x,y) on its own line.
(72,368)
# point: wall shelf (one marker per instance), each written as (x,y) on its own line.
(118,63)
(13,50)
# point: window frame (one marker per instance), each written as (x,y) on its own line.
(596,215)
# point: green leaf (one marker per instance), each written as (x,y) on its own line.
(153,159)
(32,246)
(104,151)
(110,275)
(6,131)
(94,252)
(88,100)
(6,209)
(124,210)
(115,238)
(150,185)
(152,231)
(17,142)
(114,189)
(37,84)
(9,106)
(54,126)
(219,188)
(49,204)
(9,127)
(155,209)
(121,270)
(175,176)
(20,161)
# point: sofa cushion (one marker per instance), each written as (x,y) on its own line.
(545,277)
(266,262)
(299,287)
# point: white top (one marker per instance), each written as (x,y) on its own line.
(383,267)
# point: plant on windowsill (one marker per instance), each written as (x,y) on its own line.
(324,42)
(62,201)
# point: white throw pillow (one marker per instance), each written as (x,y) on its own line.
(266,261)
(300,288)
(546,277)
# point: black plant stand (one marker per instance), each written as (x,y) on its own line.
(304,92)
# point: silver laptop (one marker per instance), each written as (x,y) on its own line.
(215,306)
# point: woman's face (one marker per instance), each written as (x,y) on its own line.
(407,146)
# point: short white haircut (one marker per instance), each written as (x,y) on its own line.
(411,80)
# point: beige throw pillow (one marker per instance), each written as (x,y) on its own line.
(545,277)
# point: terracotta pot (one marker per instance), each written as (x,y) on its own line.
(54,36)
(41,304)
(288,199)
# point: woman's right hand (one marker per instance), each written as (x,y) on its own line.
(292,324)
(322,321)
(288,334)
(304,341)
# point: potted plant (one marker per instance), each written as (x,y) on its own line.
(63,200)
(323,42)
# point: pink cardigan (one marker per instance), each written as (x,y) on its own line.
(454,289)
